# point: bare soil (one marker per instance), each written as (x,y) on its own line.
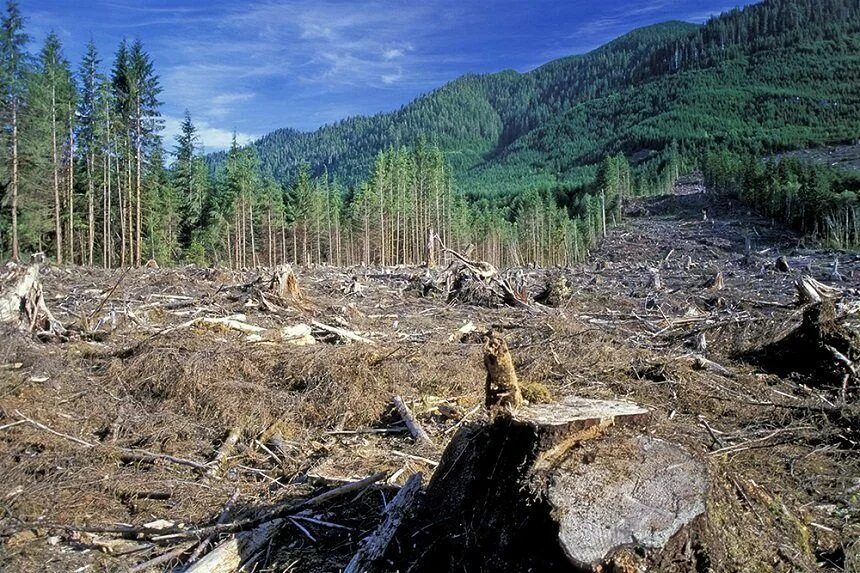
(781,450)
(845,157)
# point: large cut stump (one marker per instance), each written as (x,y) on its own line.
(550,488)
(823,348)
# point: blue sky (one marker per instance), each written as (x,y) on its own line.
(255,66)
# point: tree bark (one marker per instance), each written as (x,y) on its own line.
(138,152)
(91,218)
(15,254)
(58,229)
(71,191)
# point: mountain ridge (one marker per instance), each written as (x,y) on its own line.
(508,130)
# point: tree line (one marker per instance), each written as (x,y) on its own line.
(820,201)
(81,148)
(409,198)
(87,180)
(773,76)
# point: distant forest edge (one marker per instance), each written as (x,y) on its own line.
(525,167)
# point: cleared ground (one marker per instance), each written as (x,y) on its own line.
(782,451)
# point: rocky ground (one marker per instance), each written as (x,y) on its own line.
(120,422)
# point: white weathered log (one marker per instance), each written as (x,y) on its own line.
(343,333)
(374,546)
(235,322)
(224,452)
(230,555)
(703,363)
(414,425)
(298,335)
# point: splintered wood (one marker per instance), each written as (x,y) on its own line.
(811,291)
(502,386)
(230,555)
(373,547)
(285,284)
(22,303)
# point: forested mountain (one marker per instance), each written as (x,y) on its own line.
(778,75)
(527,167)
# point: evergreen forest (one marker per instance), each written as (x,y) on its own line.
(515,167)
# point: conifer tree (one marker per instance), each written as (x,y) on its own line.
(186,178)
(13,70)
(52,94)
(88,129)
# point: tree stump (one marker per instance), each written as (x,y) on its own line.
(550,489)
(817,349)
(502,391)
(285,284)
(22,303)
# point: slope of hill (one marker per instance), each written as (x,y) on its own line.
(775,76)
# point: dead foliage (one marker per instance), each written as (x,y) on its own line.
(169,361)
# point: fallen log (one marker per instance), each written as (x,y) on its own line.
(234,322)
(298,335)
(374,546)
(702,363)
(223,452)
(552,488)
(414,425)
(343,333)
(230,555)
(222,517)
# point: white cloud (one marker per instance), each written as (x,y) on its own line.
(212,138)
(389,79)
(223,104)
